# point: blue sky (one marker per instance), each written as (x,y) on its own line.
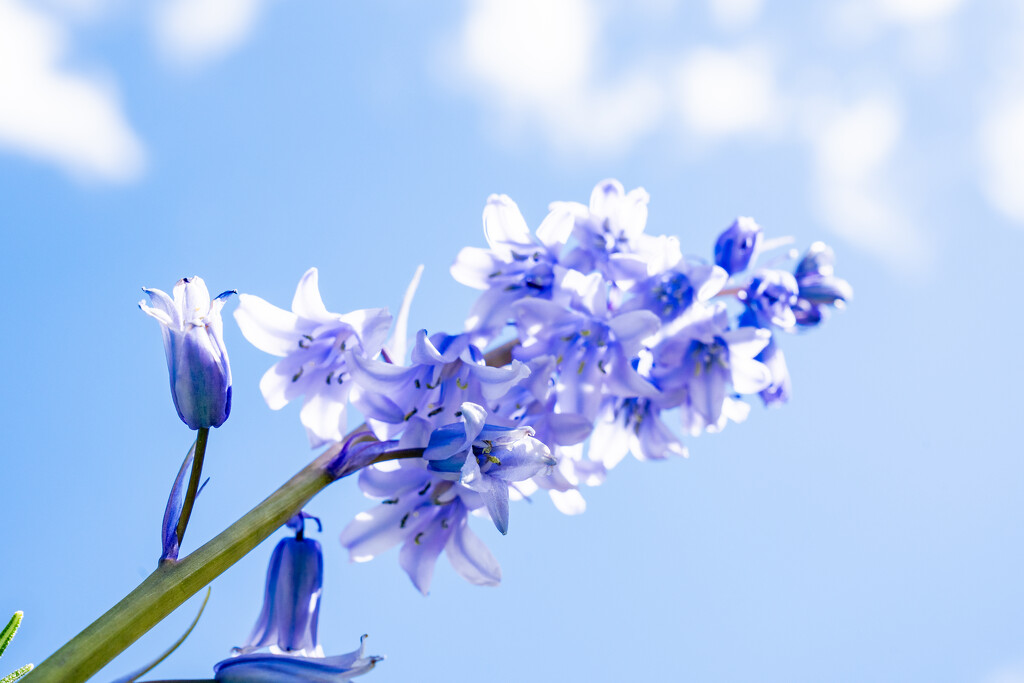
(871,530)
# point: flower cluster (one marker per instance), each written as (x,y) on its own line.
(610,330)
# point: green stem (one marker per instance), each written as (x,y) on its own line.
(173,583)
(193,482)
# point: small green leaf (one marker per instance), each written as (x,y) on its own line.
(11,677)
(8,633)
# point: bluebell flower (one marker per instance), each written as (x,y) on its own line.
(291,602)
(670,293)
(194,345)
(516,265)
(427,515)
(260,667)
(632,425)
(700,365)
(317,349)
(486,458)
(593,347)
(771,298)
(446,371)
(283,646)
(610,235)
(737,246)
(818,286)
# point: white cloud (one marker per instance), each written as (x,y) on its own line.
(853,147)
(56,115)
(534,63)
(913,12)
(1002,151)
(195,31)
(734,14)
(724,93)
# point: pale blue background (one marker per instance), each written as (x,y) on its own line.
(873,530)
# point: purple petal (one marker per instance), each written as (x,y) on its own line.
(470,557)
(419,553)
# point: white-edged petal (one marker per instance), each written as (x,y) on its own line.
(267,327)
(307,302)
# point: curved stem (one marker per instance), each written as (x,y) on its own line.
(193,482)
(173,583)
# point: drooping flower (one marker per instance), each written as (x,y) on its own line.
(425,514)
(194,345)
(632,425)
(317,349)
(818,286)
(737,246)
(291,601)
(699,366)
(486,459)
(283,646)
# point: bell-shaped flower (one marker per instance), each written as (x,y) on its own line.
(593,347)
(486,459)
(737,246)
(700,365)
(194,344)
(291,601)
(316,349)
(283,646)
(516,265)
(610,236)
(632,425)
(669,294)
(446,371)
(818,286)
(260,667)
(426,515)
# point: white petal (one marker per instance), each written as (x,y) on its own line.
(323,416)
(399,342)
(746,341)
(556,228)
(267,327)
(749,376)
(569,502)
(473,266)
(504,225)
(307,302)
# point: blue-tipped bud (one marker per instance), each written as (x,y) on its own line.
(196,358)
(737,246)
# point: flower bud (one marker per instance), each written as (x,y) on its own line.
(196,358)
(737,246)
